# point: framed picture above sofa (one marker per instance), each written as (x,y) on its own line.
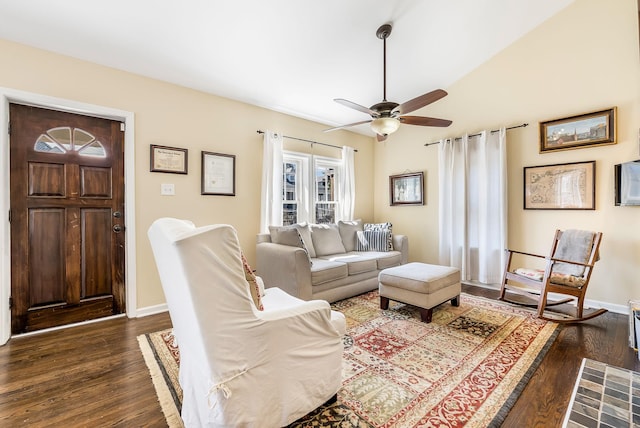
(406,189)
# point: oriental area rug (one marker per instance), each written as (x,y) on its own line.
(464,369)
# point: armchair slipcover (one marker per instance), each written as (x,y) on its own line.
(239,366)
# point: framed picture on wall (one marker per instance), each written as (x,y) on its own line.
(567,186)
(406,189)
(579,131)
(168,159)
(218,174)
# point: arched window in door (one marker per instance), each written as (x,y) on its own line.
(66,139)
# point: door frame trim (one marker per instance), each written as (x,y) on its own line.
(7,96)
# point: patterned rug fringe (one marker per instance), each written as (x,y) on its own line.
(165,398)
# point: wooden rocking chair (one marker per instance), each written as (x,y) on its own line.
(568,270)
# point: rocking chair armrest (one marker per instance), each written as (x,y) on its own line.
(571,262)
(526,254)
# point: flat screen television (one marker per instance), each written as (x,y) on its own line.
(627,183)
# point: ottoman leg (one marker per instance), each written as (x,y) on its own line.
(455,301)
(384,302)
(425,314)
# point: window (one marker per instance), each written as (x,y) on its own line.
(325,192)
(66,139)
(309,190)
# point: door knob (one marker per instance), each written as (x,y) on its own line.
(117,228)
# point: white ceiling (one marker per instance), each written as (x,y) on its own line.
(292,56)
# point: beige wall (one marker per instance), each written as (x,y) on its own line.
(175,116)
(581,60)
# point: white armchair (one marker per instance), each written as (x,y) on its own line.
(240,366)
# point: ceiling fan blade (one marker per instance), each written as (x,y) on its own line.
(347,126)
(424,121)
(381,138)
(355,106)
(421,101)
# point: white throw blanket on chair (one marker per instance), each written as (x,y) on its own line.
(575,246)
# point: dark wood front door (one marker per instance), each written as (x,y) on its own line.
(67,218)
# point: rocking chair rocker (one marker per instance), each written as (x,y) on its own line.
(568,271)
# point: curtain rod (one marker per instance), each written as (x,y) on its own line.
(308,141)
(475,135)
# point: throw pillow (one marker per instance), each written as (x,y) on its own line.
(260,283)
(305,233)
(373,240)
(569,280)
(348,231)
(304,247)
(326,239)
(284,235)
(536,274)
(254,288)
(384,227)
(290,235)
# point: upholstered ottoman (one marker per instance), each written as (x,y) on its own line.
(419,284)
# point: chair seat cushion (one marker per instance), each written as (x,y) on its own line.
(556,278)
(568,280)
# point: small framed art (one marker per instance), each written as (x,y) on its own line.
(407,189)
(218,174)
(168,159)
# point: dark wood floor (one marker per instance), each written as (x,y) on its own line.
(94,375)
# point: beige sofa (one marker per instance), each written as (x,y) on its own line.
(322,262)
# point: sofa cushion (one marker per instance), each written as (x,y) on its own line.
(285,235)
(356,262)
(348,231)
(295,235)
(326,270)
(326,239)
(387,259)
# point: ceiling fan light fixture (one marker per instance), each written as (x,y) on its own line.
(385,125)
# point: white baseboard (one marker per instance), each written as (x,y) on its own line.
(588,303)
(151,310)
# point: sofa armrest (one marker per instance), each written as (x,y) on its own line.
(401,243)
(285,267)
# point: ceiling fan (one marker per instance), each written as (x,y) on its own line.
(386,116)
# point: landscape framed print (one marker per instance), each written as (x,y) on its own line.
(584,130)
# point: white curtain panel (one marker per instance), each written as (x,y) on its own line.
(271,204)
(347,186)
(473,205)
(453,203)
